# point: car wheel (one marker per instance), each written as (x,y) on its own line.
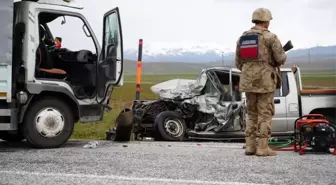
(124,125)
(48,123)
(171,126)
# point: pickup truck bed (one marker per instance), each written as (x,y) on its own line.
(322,101)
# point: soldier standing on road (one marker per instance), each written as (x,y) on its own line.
(258,54)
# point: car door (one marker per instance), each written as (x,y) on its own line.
(110,65)
(279,123)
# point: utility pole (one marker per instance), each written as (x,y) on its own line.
(223,58)
(309,55)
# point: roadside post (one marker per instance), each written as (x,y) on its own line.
(138,75)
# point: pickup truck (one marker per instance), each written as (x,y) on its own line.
(292,101)
(211,108)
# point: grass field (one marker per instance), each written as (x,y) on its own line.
(123,97)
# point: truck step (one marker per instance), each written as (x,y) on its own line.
(5,112)
(7,126)
(8,119)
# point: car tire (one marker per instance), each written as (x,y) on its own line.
(171,126)
(12,137)
(43,134)
(124,125)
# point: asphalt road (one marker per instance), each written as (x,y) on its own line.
(148,163)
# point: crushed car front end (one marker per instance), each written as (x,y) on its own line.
(199,108)
(146,112)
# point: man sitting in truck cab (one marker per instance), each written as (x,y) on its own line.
(76,67)
(45,57)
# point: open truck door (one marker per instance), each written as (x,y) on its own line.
(110,66)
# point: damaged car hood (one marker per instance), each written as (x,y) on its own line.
(180,88)
(192,92)
(171,84)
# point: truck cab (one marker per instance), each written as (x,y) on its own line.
(47,87)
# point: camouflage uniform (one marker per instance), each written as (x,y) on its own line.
(258,54)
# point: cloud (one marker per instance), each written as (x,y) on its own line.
(216,22)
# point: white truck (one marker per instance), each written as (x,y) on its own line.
(44,88)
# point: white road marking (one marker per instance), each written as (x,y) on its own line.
(125,178)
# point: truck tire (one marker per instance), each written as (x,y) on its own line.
(11,137)
(48,123)
(170,125)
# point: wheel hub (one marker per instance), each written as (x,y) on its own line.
(173,127)
(49,122)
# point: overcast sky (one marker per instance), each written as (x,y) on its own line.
(216,22)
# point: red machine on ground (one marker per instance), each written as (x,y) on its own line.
(314,131)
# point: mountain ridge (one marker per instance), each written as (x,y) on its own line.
(315,58)
(208,54)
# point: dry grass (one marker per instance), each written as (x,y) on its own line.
(319,81)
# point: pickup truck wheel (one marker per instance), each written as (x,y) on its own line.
(48,123)
(171,126)
(12,137)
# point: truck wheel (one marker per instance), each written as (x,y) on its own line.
(12,137)
(48,123)
(170,125)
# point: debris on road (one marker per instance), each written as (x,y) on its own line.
(148,139)
(110,134)
(91,144)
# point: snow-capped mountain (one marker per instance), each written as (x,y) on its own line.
(199,53)
(180,52)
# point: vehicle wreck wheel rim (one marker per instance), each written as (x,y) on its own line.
(49,122)
(173,127)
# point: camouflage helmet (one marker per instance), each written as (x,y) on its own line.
(261,14)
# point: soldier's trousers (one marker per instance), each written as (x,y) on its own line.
(260,110)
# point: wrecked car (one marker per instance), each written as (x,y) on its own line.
(210,107)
